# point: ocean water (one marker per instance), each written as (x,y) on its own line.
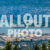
(43,29)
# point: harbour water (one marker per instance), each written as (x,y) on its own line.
(43,29)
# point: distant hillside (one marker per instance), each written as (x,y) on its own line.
(25,2)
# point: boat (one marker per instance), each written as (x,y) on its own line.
(1,33)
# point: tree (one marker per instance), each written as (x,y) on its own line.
(49,45)
(3,48)
(15,48)
(16,41)
(16,45)
(8,46)
(44,46)
(36,47)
